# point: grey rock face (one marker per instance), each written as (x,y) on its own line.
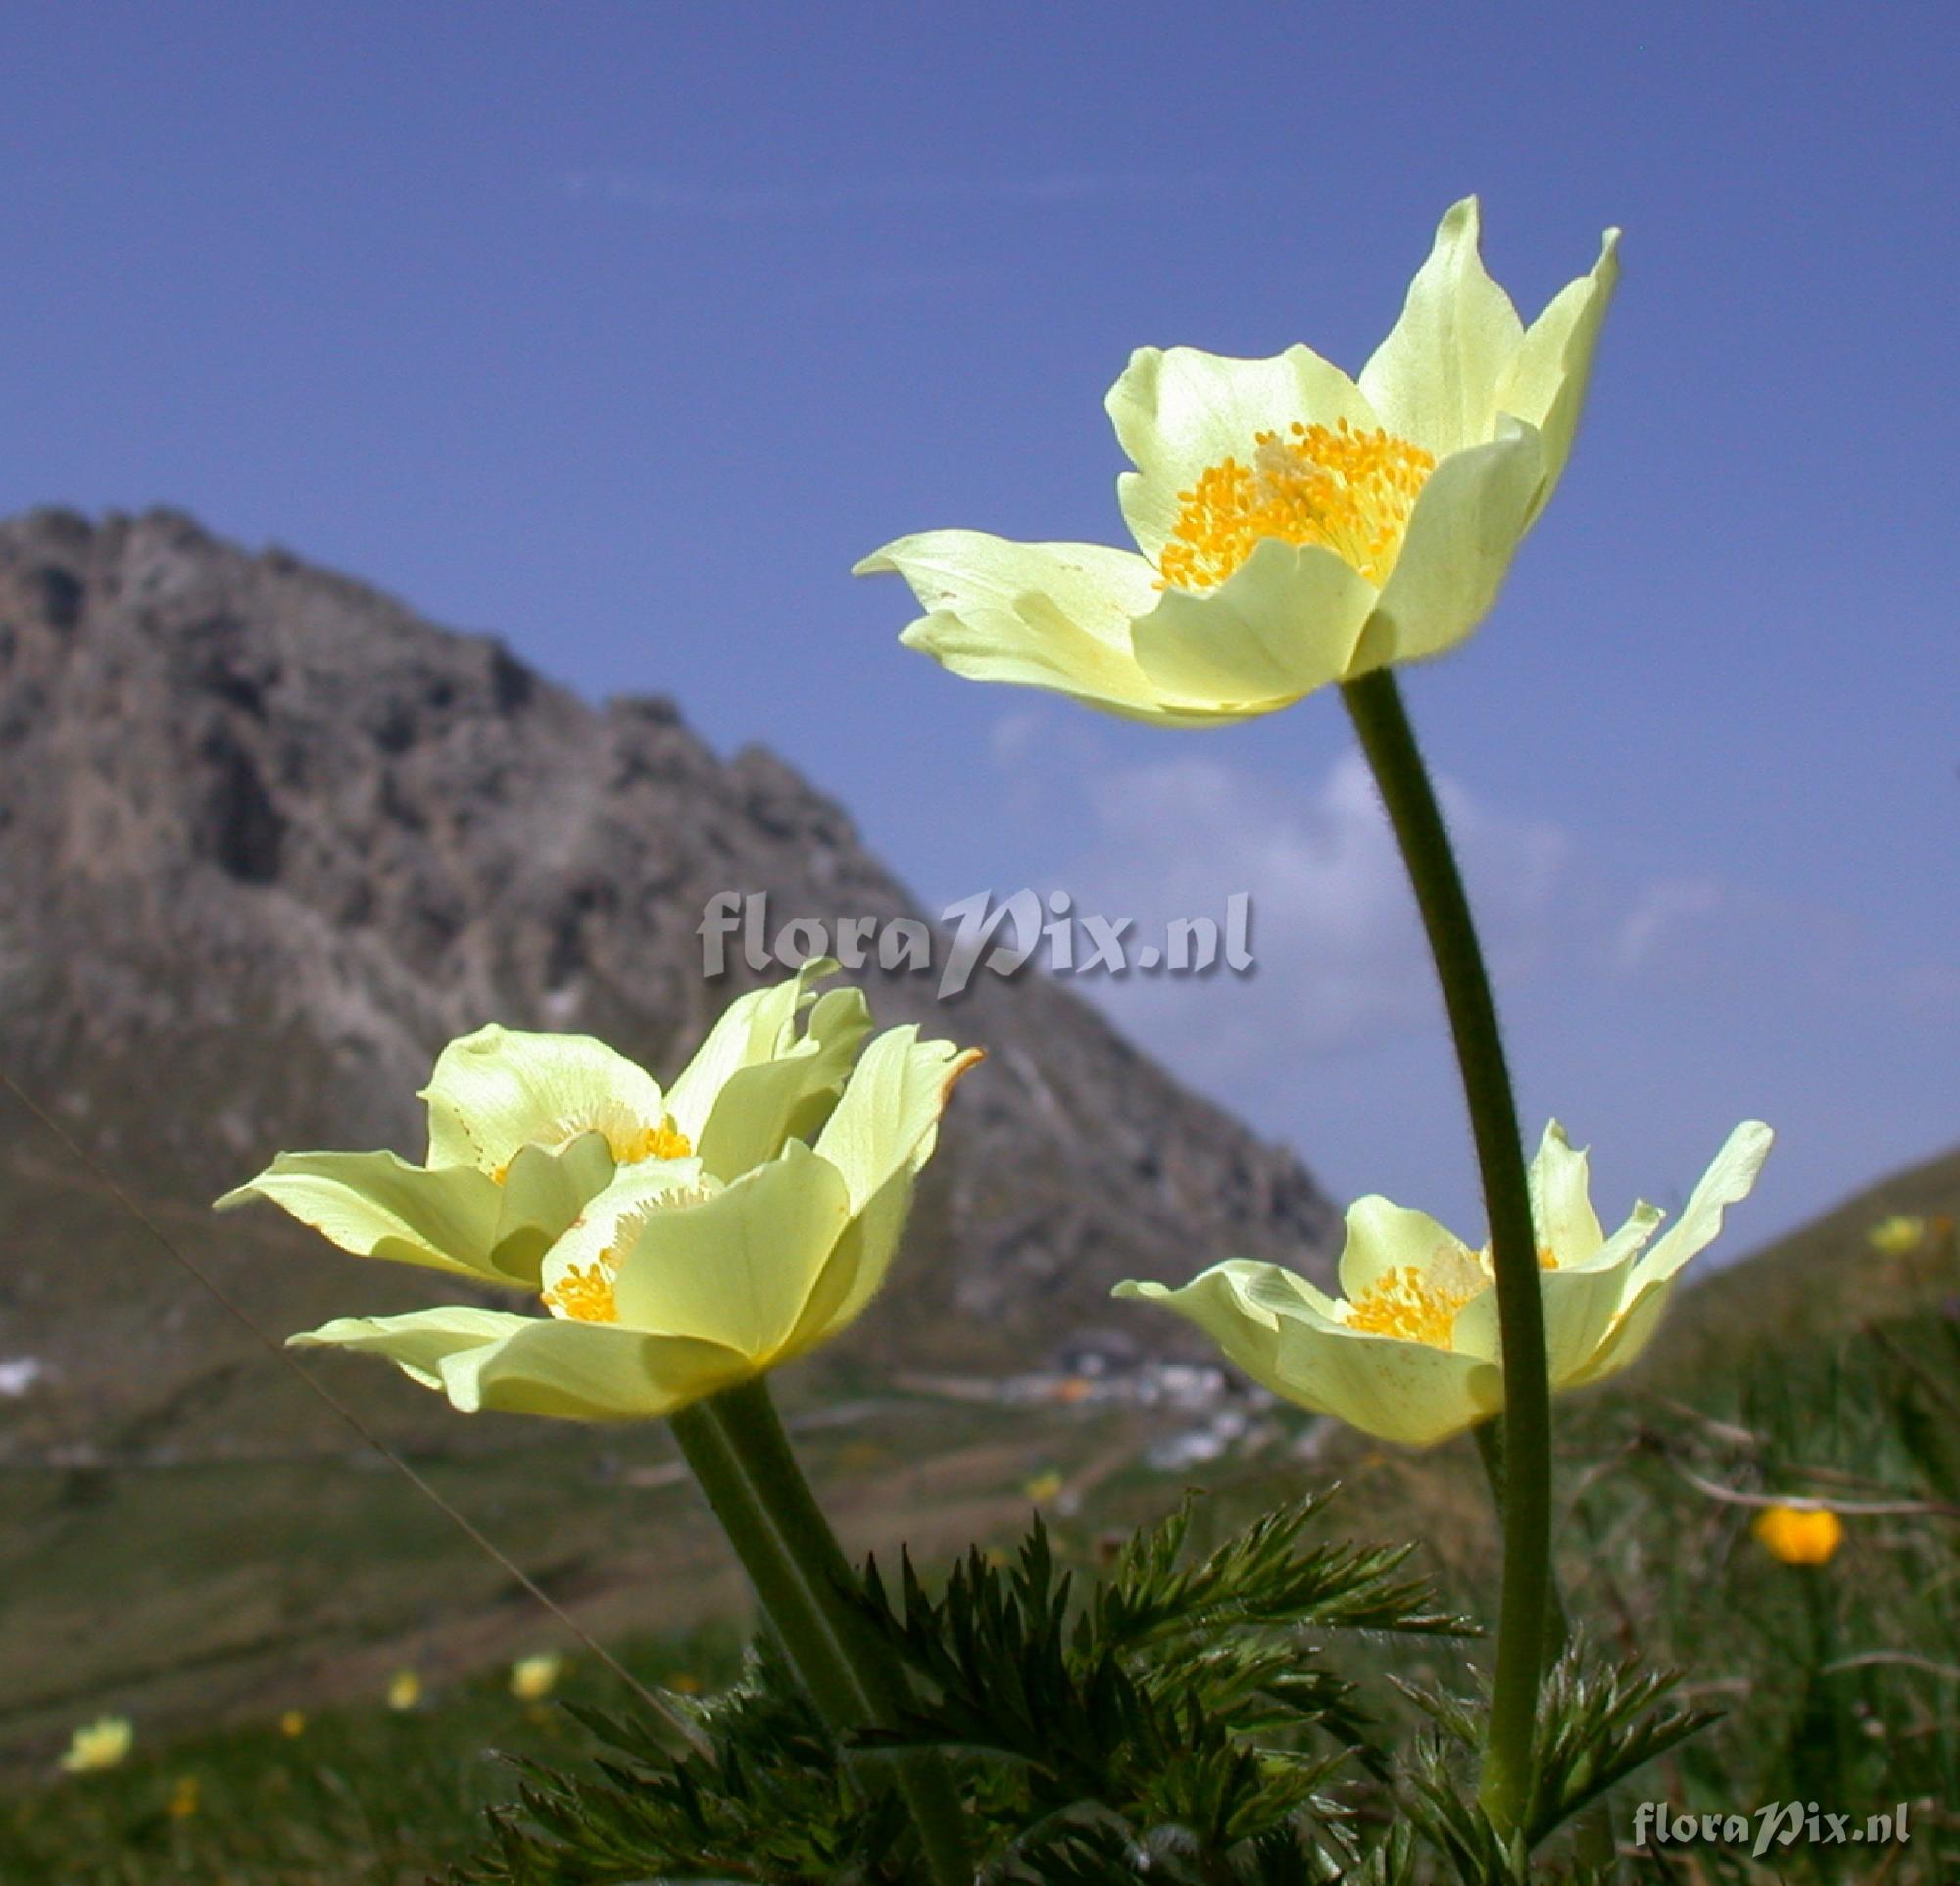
(268,840)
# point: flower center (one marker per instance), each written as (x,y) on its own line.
(1421,1306)
(1404,1303)
(664,1141)
(1350,491)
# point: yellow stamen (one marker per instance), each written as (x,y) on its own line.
(1420,1305)
(1404,1303)
(584,1294)
(664,1141)
(1352,491)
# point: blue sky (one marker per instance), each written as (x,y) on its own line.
(623,330)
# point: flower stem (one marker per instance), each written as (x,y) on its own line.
(1376,707)
(736,1447)
(1593,1831)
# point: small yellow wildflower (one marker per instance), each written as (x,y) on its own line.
(404,1690)
(293,1724)
(1042,1487)
(1895,1236)
(533,1678)
(1799,1535)
(184,1801)
(98,1745)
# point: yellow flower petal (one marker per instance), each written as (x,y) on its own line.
(486,1359)
(736,1268)
(1381,1236)
(1435,379)
(1286,622)
(1047,616)
(1730,1178)
(762,1105)
(753,1028)
(1561,1199)
(1545,383)
(377,1205)
(500,1089)
(1461,537)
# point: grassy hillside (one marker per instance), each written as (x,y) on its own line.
(205,1579)
(1835,1682)
(1821,1280)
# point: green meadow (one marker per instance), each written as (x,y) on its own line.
(210,1603)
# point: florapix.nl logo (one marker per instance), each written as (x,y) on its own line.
(1776,1824)
(1003,935)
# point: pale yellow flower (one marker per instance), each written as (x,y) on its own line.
(1799,1535)
(526,1129)
(534,1678)
(1895,1236)
(1410,1351)
(101,1744)
(753,1218)
(404,1690)
(293,1724)
(1042,1487)
(1295,527)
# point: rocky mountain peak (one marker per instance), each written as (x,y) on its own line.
(267,839)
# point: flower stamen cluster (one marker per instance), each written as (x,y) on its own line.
(584,1294)
(1402,1302)
(1348,489)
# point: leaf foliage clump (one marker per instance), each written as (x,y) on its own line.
(1175,1721)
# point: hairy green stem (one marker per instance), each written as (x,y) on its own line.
(1376,707)
(738,1452)
(1490,1437)
(1593,1831)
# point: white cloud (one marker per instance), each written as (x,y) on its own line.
(1341,959)
(1016,737)
(1716,933)
(1662,914)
